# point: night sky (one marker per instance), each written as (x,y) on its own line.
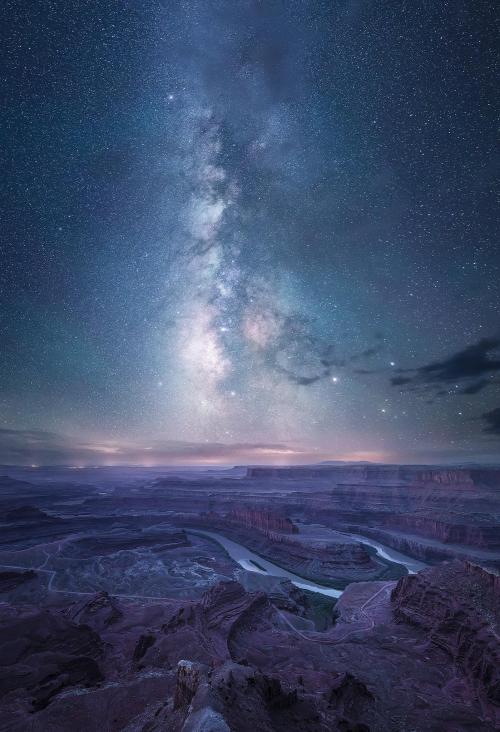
(241,231)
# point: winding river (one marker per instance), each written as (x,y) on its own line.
(385,552)
(254,563)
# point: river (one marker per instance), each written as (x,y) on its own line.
(254,563)
(412,565)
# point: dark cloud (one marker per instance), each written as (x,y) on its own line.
(492,420)
(401,380)
(367,353)
(471,369)
(475,387)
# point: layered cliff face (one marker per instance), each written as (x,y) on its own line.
(455,508)
(464,477)
(458,605)
(265,521)
(477,532)
(445,477)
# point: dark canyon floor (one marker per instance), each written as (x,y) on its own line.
(295,599)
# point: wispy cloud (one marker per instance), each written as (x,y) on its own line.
(27,447)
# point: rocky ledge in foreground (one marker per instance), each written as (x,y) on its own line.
(236,696)
(458,605)
(43,654)
(235,661)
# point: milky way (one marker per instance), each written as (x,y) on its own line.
(246,231)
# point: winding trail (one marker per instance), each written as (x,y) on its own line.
(53,573)
(325,640)
(78,593)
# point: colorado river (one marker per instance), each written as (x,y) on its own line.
(412,565)
(254,563)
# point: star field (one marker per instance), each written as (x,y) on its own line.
(249,231)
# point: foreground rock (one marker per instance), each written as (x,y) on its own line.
(238,697)
(43,654)
(458,605)
(236,661)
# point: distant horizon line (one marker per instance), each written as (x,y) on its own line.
(229,466)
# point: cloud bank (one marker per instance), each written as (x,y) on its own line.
(35,447)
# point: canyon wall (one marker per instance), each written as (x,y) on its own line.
(458,605)
(265,521)
(423,475)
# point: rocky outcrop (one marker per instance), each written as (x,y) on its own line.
(98,612)
(232,663)
(212,621)
(145,641)
(237,697)
(352,700)
(77,671)
(188,679)
(288,597)
(224,608)
(458,605)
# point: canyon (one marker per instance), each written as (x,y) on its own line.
(329,597)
